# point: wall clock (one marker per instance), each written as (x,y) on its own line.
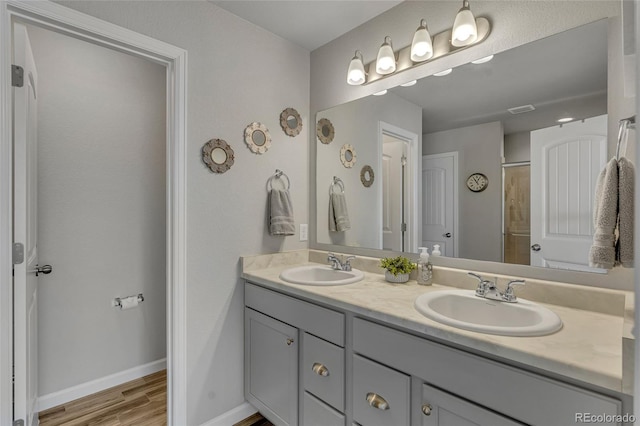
(477,182)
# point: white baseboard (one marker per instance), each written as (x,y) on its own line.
(65,395)
(232,416)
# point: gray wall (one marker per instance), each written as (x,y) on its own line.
(479,214)
(517,147)
(101,218)
(357,123)
(237,73)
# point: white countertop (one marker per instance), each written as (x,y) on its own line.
(588,347)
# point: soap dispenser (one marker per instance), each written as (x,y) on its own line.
(436,250)
(425,269)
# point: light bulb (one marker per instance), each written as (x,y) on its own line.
(421,46)
(356,75)
(386,62)
(465,30)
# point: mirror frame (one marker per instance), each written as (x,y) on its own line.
(248,138)
(209,147)
(284,122)
(332,131)
(343,155)
(363,176)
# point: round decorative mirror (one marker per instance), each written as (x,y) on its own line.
(367,176)
(257,138)
(291,122)
(347,155)
(325,131)
(217,155)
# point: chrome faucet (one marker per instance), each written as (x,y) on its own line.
(489,290)
(337,264)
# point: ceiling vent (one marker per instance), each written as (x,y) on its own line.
(521,109)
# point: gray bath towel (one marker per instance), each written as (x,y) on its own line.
(603,252)
(338,215)
(626,187)
(281,213)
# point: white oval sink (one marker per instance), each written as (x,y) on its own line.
(320,275)
(463,309)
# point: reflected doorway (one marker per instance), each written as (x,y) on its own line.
(516,182)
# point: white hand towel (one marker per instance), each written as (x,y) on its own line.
(281,213)
(626,188)
(338,215)
(603,252)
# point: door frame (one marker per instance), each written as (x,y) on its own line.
(414,182)
(456,194)
(63,20)
(506,166)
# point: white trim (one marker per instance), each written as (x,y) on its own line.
(84,27)
(70,394)
(456,198)
(414,164)
(232,416)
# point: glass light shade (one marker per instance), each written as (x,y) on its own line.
(421,46)
(465,30)
(386,62)
(482,60)
(443,73)
(356,74)
(380,93)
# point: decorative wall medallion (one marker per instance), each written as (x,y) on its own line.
(325,131)
(257,137)
(217,155)
(366,176)
(347,155)
(291,122)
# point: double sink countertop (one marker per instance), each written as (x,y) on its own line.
(594,346)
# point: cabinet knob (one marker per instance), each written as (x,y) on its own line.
(426,409)
(376,401)
(290,341)
(320,369)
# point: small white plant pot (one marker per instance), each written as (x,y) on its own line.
(400,278)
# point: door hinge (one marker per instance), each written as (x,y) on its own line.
(18,253)
(17,76)
(18,422)
(404,227)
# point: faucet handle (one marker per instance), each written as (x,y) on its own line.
(473,274)
(508,295)
(346,264)
(482,284)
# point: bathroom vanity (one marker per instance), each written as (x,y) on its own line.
(360,354)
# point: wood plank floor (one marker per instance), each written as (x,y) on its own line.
(255,420)
(141,402)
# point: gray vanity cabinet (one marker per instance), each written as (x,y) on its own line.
(271,361)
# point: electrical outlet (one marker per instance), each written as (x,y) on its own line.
(304,232)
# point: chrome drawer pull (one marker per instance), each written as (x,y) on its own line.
(376,401)
(426,409)
(320,369)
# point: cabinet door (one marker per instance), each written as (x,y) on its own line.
(443,409)
(317,413)
(271,367)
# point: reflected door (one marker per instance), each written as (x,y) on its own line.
(440,202)
(393,194)
(517,215)
(565,164)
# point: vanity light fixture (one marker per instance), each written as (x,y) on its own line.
(421,46)
(409,83)
(465,30)
(386,62)
(482,60)
(380,93)
(356,75)
(443,73)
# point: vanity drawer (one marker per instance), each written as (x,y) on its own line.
(323,370)
(495,385)
(380,394)
(317,320)
(317,413)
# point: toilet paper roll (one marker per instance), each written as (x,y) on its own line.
(129,302)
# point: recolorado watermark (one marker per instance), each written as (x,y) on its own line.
(604,418)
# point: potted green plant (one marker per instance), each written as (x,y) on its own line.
(397,269)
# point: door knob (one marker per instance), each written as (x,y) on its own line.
(536,247)
(45,269)
(447,235)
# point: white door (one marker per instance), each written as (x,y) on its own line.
(25,282)
(440,202)
(565,163)
(393,222)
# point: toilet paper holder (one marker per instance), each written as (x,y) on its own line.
(117,302)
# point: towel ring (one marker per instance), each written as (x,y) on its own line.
(278,174)
(336,181)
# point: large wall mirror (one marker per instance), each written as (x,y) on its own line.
(498,119)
